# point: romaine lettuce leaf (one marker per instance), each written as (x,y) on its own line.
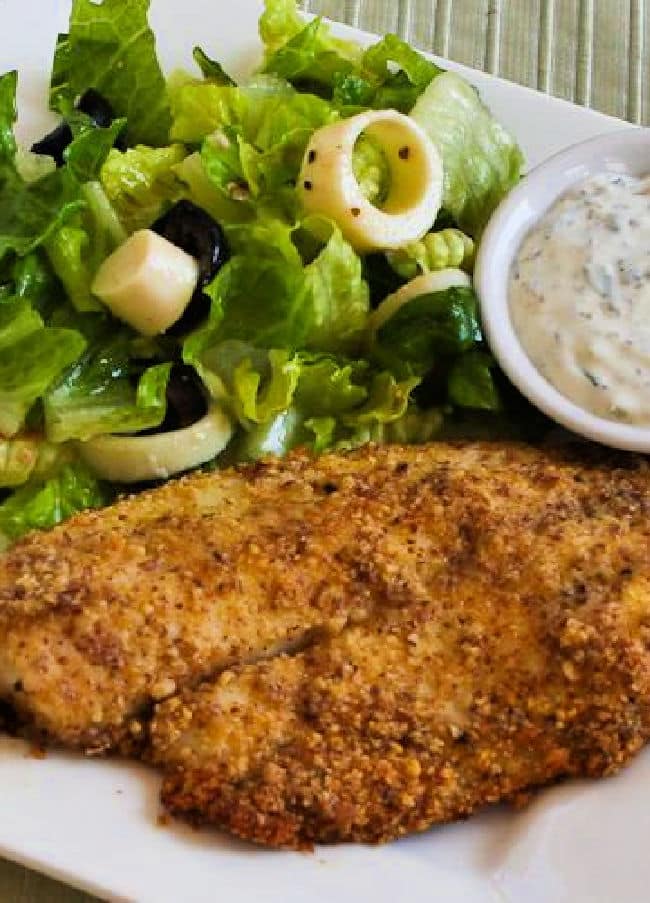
(29,214)
(8,84)
(106,392)
(260,295)
(266,296)
(33,279)
(211,70)
(42,504)
(140,181)
(471,384)
(28,367)
(254,138)
(77,249)
(111,48)
(17,320)
(252,383)
(312,56)
(481,159)
(198,187)
(27,456)
(426,329)
(88,151)
(279,23)
(340,300)
(391,75)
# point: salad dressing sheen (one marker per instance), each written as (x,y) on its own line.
(580,296)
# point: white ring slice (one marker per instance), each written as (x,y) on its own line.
(425,284)
(328,185)
(138,459)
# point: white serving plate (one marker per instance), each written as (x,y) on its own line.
(93,823)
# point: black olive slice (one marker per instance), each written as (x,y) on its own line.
(197,233)
(186,401)
(95,105)
(194,314)
(54,143)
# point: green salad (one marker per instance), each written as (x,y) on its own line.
(286,330)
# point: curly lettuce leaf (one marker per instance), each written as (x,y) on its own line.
(111,48)
(140,181)
(105,391)
(41,504)
(482,161)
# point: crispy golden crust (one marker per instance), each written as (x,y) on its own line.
(118,608)
(512,649)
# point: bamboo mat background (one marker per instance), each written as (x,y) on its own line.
(593,52)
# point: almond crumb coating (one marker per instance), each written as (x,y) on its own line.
(525,658)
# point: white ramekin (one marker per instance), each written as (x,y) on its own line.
(627,151)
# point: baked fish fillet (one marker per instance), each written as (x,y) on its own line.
(518,652)
(116,609)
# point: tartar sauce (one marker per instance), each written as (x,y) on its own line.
(579,296)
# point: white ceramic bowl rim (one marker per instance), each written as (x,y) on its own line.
(627,151)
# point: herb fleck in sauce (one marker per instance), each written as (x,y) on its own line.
(580,296)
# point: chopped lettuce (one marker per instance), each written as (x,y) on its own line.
(42,504)
(312,56)
(30,213)
(333,403)
(27,456)
(88,151)
(111,48)
(212,70)
(106,391)
(471,384)
(482,161)
(339,296)
(77,249)
(279,23)
(427,328)
(8,84)
(267,296)
(391,74)
(253,138)
(28,367)
(17,320)
(140,181)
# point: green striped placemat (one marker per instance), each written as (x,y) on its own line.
(594,52)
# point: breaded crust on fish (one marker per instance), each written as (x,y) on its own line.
(119,608)
(515,652)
